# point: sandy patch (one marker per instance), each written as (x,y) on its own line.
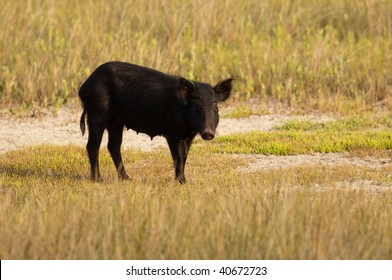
(271,162)
(367,186)
(354,187)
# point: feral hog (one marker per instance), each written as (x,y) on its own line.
(119,94)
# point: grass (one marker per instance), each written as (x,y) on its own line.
(299,137)
(290,143)
(331,56)
(243,110)
(50,210)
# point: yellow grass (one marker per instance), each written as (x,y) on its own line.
(325,55)
(49,210)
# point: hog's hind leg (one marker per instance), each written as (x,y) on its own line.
(115,131)
(96,129)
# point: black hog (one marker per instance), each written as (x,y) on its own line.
(119,95)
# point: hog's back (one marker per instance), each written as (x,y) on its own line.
(143,99)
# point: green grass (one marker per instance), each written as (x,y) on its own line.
(50,210)
(240,112)
(289,142)
(301,137)
(304,54)
(243,110)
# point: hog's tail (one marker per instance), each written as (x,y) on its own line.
(83,122)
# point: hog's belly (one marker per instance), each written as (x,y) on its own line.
(150,127)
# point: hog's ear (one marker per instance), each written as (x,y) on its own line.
(223,89)
(185,89)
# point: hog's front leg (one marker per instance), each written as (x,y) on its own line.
(179,154)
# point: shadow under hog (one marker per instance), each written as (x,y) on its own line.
(119,94)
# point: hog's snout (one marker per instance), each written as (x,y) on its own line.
(207,135)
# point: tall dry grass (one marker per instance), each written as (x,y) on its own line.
(49,210)
(328,55)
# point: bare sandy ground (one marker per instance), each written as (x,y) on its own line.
(63,129)
(269,162)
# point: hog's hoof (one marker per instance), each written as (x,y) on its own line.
(97,180)
(181,180)
(125,177)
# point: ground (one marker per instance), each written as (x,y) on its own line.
(63,128)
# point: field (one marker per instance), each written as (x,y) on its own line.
(303,54)
(288,57)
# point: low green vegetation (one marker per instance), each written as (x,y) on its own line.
(291,142)
(300,137)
